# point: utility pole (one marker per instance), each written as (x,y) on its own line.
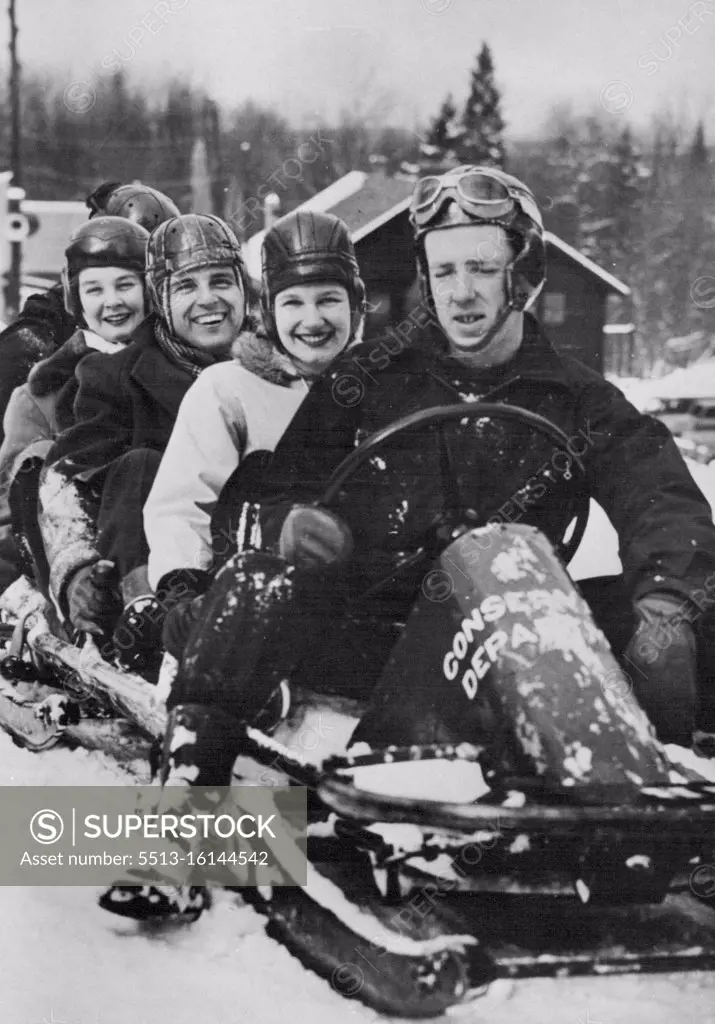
(15,192)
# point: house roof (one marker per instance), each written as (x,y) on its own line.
(578,257)
(367,201)
(379,196)
(341,190)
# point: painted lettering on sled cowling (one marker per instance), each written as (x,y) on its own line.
(502,650)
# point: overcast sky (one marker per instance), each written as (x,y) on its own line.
(310,57)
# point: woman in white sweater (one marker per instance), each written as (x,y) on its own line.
(313,308)
(313,304)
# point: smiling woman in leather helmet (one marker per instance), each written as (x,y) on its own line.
(45,324)
(312,302)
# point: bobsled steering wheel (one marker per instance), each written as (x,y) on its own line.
(474,410)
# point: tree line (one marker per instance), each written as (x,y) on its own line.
(639,203)
(74,137)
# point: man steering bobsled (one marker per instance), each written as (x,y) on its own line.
(322,592)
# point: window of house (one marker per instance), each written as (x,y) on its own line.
(554,308)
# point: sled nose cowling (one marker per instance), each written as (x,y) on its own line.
(501,649)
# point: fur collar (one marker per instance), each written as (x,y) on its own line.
(254,352)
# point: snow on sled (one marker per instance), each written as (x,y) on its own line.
(55,692)
(540,829)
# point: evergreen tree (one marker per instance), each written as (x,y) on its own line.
(38,135)
(482,126)
(175,139)
(698,156)
(262,151)
(699,231)
(210,130)
(352,144)
(117,134)
(623,203)
(444,132)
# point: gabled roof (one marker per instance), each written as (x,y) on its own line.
(335,194)
(578,257)
(367,201)
(379,196)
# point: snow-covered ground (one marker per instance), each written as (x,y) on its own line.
(695,381)
(598,552)
(64,961)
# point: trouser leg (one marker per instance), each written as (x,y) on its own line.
(120,524)
(23,500)
(257,621)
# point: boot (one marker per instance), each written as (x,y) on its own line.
(180,903)
(200,747)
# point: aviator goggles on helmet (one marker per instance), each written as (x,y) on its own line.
(478,193)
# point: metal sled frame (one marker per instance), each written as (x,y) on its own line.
(524,931)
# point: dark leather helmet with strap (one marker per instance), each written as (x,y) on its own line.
(306,247)
(101,242)
(137,202)
(189,242)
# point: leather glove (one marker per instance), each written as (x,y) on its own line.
(178,625)
(137,637)
(663,654)
(314,538)
(94,599)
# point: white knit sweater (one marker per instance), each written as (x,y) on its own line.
(226,414)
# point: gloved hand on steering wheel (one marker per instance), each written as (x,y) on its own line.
(312,537)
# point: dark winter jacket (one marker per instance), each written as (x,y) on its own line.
(35,416)
(41,328)
(123,402)
(503,472)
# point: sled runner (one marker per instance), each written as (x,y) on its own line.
(551,833)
